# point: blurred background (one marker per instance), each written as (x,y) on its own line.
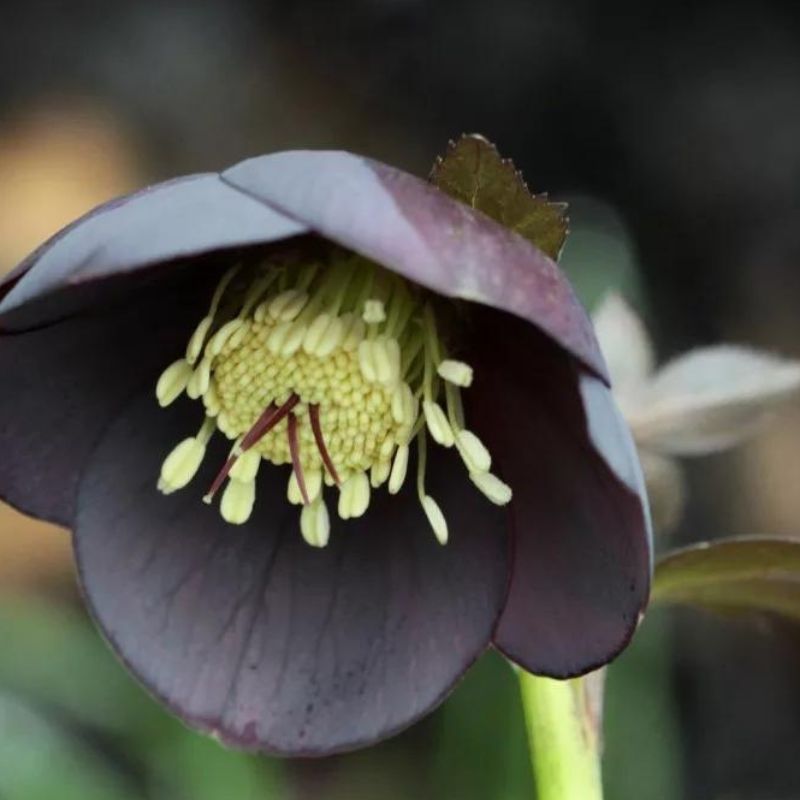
(673,130)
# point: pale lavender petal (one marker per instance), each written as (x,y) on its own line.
(189,216)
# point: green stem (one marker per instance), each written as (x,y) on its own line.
(562,738)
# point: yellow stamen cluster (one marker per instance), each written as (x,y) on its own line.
(343,344)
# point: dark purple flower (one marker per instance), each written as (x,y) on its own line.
(336,312)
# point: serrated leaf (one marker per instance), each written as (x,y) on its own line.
(734,575)
(472,171)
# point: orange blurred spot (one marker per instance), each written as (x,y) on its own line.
(32,553)
(56,162)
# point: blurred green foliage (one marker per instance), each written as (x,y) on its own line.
(598,256)
(481,751)
(73,724)
(642,755)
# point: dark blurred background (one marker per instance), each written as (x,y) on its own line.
(674,130)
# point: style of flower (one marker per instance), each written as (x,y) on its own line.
(313,324)
(703,401)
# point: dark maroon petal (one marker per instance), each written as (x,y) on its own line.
(581,565)
(418,231)
(189,216)
(249,633)
(61,384)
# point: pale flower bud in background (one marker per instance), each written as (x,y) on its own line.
(700,402)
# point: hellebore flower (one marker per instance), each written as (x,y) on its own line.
(333,321)
(700,402)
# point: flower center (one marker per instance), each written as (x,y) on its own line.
(333,367)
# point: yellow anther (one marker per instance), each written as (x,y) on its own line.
(197,340)
(328,480)
(437,423)
(492,487)
(246,467)
(374,312)
(354,333)
(473,452)
(316,331)
(203,373)
(456,372)
(366,361)
(399,469)
(262,311)
(181,465)
(287,305)
(361,495)
(225,425)
(386,360)
(294,339)
(354,496)
(379,473)
(315,525)
(313,483)
(408,427)
(211,401)
(237,337)
(237,501)
(331,340)
(277,336)
(324,335)
(386,449)
(293,494)
(220,338)
(200,379)
(435,518)
(402,404)
(172,382)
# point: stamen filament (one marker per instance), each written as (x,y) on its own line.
(431,508)
(198,339)
(220,290)
(422,457)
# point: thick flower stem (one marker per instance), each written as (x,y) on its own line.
(562,738)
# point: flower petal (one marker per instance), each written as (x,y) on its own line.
(410,226)
(581,565)
(711,398)
(252,635)
(189,216)
(65,381)
(625,344)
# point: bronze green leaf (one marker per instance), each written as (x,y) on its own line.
(734,575)
(472,171)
